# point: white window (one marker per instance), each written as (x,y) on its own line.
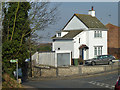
(97,50)
(59,34)
(97,34)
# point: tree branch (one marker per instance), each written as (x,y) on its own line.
(15,20)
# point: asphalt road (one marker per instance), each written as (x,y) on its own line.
(92,81)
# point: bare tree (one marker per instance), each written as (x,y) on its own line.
(40,16)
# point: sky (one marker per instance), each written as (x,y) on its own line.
(67,9)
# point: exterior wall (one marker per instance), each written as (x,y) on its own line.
(82,37)
(113,36)
(73,70)
(92,13)
(47,58)
(113,40)
(63,33)
(63,45)
(75,24)
(87,38)
(51,58)
(97,42)
(35,57)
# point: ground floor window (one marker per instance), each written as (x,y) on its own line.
(98,50)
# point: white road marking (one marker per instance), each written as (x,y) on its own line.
(101,84)
(106,86)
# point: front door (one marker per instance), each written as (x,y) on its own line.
(82,54)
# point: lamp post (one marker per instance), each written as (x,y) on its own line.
(15,61)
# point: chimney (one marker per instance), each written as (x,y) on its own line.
(91,12)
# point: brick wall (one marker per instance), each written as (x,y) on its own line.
(113,36)
(113,40)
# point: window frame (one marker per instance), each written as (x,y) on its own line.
(98,50)
(59,34)
(97,34)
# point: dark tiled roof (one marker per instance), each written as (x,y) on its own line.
(70,35)
(90,22)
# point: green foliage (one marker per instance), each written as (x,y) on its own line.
(44,48)
(15,24)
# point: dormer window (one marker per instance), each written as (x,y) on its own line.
(59,34)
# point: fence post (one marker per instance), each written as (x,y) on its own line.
(57,72)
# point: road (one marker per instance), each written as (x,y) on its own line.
(106,80)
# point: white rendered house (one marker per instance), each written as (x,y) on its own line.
(84,35)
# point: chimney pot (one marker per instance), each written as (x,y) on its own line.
(92,8)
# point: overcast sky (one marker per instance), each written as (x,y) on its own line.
(67,9)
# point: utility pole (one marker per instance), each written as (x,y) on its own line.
(30,56)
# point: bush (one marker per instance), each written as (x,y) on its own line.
(9,82)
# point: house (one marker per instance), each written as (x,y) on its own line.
(113,40)
(84,35)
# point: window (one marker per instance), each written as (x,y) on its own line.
(97,50)
(79,40)
(59,34)
(58,48)
(97,34)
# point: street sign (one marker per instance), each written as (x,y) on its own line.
(15,60)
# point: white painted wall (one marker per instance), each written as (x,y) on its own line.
(82,37)
(63,45)
(92,13)
(63,33)
(97,42)
(87,38)
(47,58)
(35,57)
(75,24)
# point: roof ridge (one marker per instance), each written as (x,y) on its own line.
(112,25)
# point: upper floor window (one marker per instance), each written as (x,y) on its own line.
(59,34)
(79,40)
(98,34)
